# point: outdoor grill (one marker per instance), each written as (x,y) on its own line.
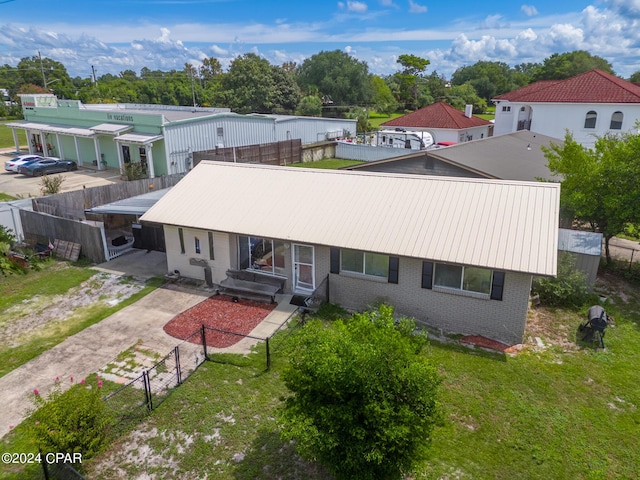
(595,325)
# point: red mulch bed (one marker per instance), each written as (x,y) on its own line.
(222,313)
(484,342)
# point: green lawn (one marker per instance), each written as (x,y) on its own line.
(563,411)
(375,119)
(6,198)
(6,136)
(328,163)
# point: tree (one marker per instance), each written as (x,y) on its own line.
(490,79)
(599,185)
(408,79)
(7,239)
(560,66)
(363,395)
(383,99)
(337,75)
(252,84)
(310,106)
(635,77)
(361,115)
(460,95)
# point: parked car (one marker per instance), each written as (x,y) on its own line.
(48,165)
(15,163)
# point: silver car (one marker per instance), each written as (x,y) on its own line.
(21,160)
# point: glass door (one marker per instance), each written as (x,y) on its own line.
(303,270)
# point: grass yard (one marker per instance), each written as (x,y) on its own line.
(6,136)
(328,163)
(375,119)
(6,198)
(37,309)
(564,410)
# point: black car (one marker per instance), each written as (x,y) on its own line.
(48,165)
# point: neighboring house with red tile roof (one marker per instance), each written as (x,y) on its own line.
(588,105)
(444,123)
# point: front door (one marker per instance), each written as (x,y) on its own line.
(303,270)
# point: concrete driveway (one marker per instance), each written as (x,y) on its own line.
(22,186)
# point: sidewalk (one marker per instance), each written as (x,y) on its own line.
(93,348)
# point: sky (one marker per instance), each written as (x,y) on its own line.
(115,35)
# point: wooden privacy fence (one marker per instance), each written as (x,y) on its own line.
(277,153)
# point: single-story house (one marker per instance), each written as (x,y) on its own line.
(458,254)
(444,123)
(589,105)
(160,138)
(512,156)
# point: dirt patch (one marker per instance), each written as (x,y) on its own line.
(222,313)
(41,312)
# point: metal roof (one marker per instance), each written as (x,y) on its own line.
(138,138)
(131,206)
(51,128)
(495,224)
(576,241)
(111,128)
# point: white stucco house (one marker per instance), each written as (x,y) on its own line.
(457,254)
(588,105)
(444,123)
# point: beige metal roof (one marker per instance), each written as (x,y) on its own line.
(51,128)
(138,138)
(496,224)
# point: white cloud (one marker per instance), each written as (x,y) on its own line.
(626,7)
(416,7)
(353,6)
(218,50)
(529,10)
(388,3)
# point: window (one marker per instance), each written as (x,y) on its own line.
(210,235)
(468,279)
(506,109)
(522,109)
(616,121)
(263,254)
(197,244)
(181,237)
(365,263)
(590,119)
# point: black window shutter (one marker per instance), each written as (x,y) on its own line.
(335,260)
(394,263)
(427,275)
(497,285)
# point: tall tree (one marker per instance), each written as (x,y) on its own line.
(408,79)
(599,185)
(48,74)
(363,396)
(565,65)
(252,84)
(338,76)
(383,99)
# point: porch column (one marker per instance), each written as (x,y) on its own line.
(149,148)
(96,144)
(120,160)
(60,150)
(43,142)
(32,149)
(15,139)
(75,141)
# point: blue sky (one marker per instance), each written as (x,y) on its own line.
(116,35)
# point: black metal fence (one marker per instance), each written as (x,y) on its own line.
(133,401)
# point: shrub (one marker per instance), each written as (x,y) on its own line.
(568,289)
(363,395)
(50,185)
(75,421)
(134,171)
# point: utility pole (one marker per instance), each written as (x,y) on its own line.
(93,73)
(193,92)
(44,79)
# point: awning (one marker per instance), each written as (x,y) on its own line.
(111,128)
(137,205)
(52,128)
(138,138)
